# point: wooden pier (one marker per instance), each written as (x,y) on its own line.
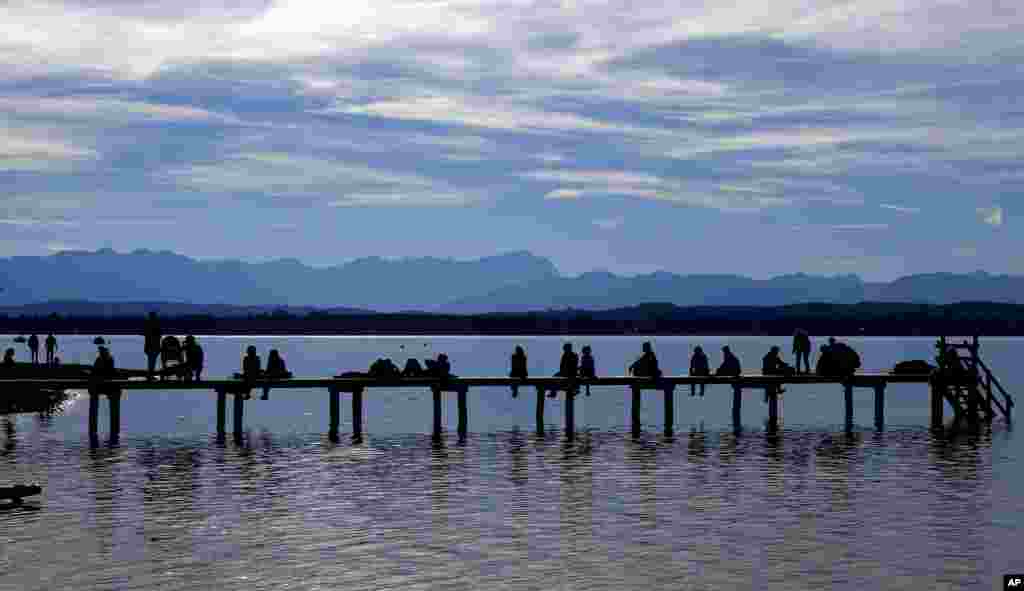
(965,382)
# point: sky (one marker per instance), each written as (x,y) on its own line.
(876,137)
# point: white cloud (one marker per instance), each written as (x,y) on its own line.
(992,216)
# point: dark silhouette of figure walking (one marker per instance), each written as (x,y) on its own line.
(518,370)
(588,370)
(802,349)
(568,367)
(153,336)
(33,347)
(8,362)
(647,365)
(699,367)
(193,358)
(730,364)
(276,370)
(51,348)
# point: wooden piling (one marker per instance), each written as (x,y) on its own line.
(670,410)
(570,413)
(540,409)
(357,414)
(737,404)
(636,411)
(848,396)
(114,400)
(437,411)
(335,408)
(463,413)
(880,406)
(937,403)
(773,407)
(239,411)
(222,412)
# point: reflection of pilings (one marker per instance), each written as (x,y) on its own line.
(773,407)
(463,413)
(848,397)
(357,414)
(670,410)
(937,403)
(437,412)
(222,413)
(880,406)
(737,404)
(239,411)
(570,413)
(540,409)
(114,400)
(335,408)
(636,411)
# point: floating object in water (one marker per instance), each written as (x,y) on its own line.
(20,339)
(16,492)
(99,341)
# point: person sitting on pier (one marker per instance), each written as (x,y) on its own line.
(518,368)
(33,347)
(568,367)
(276,370)
(846,361)
(587,367)
(51,348)
(103,367)
(193,358)
(699,367)
(412,369)
(773,365)
(152,335)
(730,364)
(8,362)
(170,350)
(439,368)
(647,365)
(802,349)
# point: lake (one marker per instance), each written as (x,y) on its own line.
(810,506)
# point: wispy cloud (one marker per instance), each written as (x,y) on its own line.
(900,208)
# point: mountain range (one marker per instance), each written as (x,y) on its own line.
(511,282)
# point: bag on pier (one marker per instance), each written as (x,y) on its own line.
(913,367)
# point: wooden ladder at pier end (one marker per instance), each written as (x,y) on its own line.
(967,384)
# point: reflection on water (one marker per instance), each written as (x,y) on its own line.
(786,510)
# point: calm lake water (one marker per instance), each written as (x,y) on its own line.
(811,507)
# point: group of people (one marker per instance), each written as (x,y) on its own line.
(570,366)
(182,359)
(252,369)
(32,342)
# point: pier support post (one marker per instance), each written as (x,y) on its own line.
(972,403)
(773,407)
(737,405)
(114,399)
(357,414)
(437,411)
(94,413)
(335,408)
(540,409)
(239,411)
(848,398)
(670,410)
(880,406)
(463,413)
(222,413)
(570,413)
(636,411)
(937,402)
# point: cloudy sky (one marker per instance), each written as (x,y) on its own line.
(878,137)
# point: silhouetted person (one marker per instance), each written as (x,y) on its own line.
(588,370)
(8,362)
(152,335)
(33,347)
(412,369)
(193,358)
(51,348)
(699,367)
(802,349)
(730,364)
(251,367)
(276,370)
(440,367)
(518,370)
(846,360)
(773,365)
(825,365)
(568,367)
(647,365)
(103,367)
(170,350)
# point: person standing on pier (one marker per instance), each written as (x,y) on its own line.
(33,347)
(699,367)
(193,358)
(568,367)
(730,364)
(518,368)
(802,349)
(51,348)
(587,369)
(647,365)
(153,336)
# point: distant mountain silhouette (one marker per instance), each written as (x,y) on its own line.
(512,282)
(83,309)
